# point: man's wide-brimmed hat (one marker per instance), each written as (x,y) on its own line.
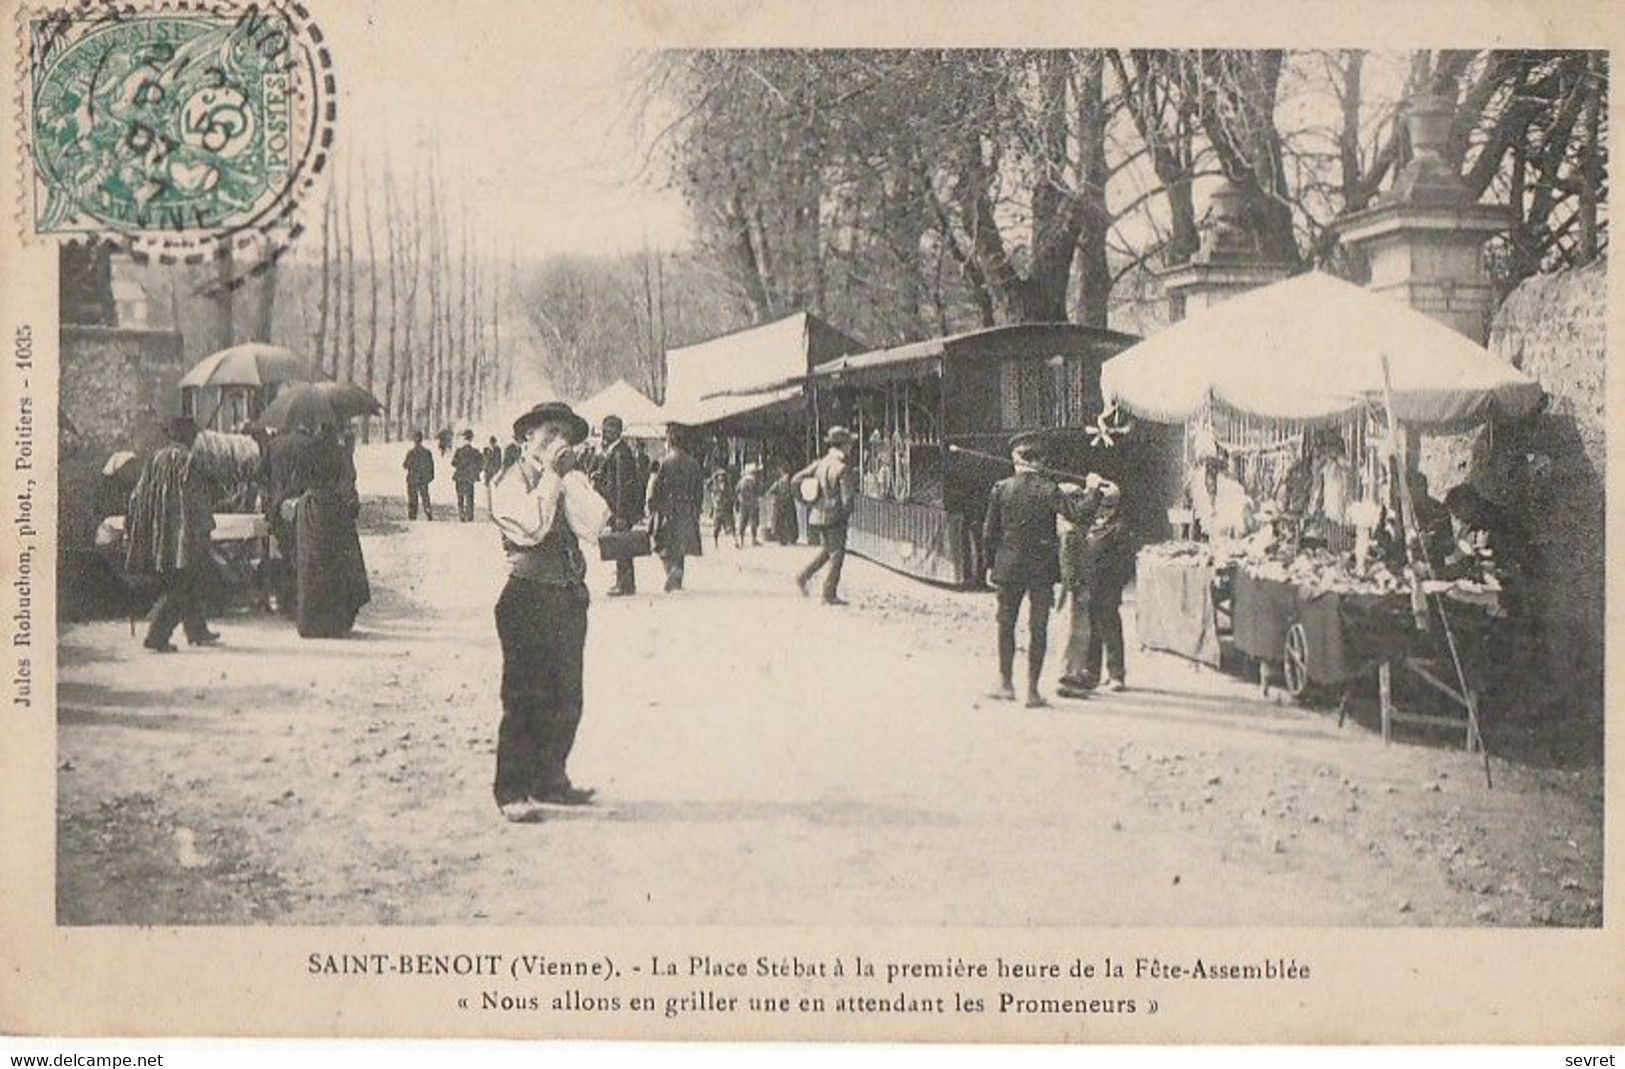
(575,428)
(837,436)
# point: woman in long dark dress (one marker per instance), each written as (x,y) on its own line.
(783,496)
(331,572)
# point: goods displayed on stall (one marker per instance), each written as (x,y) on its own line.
(250,387)
(1315,536)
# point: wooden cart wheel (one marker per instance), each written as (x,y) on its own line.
(1295,661)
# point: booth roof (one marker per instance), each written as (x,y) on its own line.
(1310,349)
(1038,338)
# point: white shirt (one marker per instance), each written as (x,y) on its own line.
(525,501)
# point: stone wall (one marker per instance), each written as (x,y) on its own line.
(1554,328)
(1550,471)
(117,386)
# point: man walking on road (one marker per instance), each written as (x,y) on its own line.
(618,481)
(419,467)
(1020,538)
(832,506)
(675,493)
(466,465)
(543,507)
(171,515)
(490,466)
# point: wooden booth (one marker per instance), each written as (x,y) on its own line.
(923,412)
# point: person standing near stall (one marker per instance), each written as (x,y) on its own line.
(170,518)
(1103,565)
(721,486)
(544,507)
(749,496)
(831,511)
(287,468)
(419,465)
(1021,540)
(618,481)
(675,493)
(782,493)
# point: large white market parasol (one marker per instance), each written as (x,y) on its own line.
(1311,349)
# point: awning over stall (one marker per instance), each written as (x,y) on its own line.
(1310,349)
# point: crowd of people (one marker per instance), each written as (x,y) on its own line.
(552,499)
(316,571)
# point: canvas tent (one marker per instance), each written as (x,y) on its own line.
(706,382)
(641,416)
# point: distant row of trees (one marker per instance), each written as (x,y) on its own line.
(906,193)
(418,318)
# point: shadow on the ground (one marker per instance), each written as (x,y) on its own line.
(832,813)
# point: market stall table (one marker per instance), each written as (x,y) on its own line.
(241,542)
(1176,604)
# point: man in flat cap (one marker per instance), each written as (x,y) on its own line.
(1023,544)
(168,527)
(833,501)
(544,507)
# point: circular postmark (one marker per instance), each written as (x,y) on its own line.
(179,131)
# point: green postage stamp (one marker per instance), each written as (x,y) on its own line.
(179,126)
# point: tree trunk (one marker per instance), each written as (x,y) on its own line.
(372,305)
(1095,218)
(391,427)
(86,279)
(320,343)
(222,294)
(349,273)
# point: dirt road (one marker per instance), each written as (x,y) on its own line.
(761,759)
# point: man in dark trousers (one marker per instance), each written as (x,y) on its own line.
(419,467)
(170,518)
(287,475)
(1021,540)
(544,508)
(466,465)
(1103,566)
(618,481)
(491,465)
(675,493)
(831,512)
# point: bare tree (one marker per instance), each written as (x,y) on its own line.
(372,285)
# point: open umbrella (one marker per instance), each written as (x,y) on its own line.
(311,404)
(250,364)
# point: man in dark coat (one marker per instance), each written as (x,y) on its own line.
(419,465)
(1103,566)
(544,508)
(466,465)
(675,494)
(170,518)
(1021,540)
(831,512)
(287,475)
(619,482)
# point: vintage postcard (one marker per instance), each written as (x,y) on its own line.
(692,520)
